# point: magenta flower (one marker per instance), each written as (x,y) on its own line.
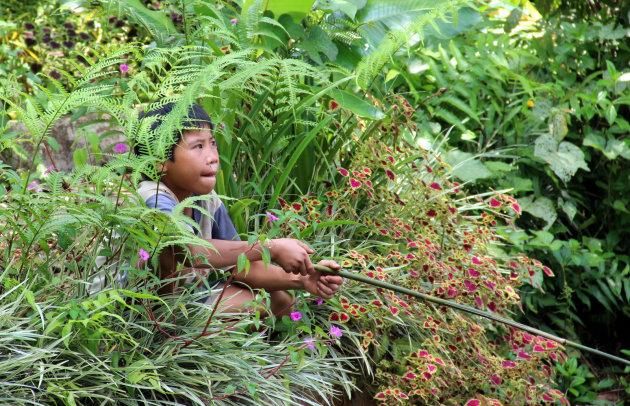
(34,186)
(49,169)
(310,343)
(296,316)
(124,68)
(120,148)
(320,301)
(234,21)
(271,216)
(335,331)
(143,254)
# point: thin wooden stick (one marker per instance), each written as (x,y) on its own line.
(468,309)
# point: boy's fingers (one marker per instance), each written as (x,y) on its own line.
(308,249)
(308,266)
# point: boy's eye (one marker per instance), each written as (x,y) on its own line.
(198,146)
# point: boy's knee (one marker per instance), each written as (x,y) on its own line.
(282,303)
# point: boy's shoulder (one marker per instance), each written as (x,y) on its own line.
(158,191)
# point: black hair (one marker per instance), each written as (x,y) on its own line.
(196,118)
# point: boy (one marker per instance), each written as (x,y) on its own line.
(191,170)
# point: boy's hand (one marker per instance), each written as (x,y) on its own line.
(292,255)
(322,285)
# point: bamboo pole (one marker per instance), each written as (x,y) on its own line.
(468,309)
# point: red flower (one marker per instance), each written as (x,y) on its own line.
(435,186)
(524,355)
(342,171)
(333,105)
(431,213)
(390,174)
(494,202)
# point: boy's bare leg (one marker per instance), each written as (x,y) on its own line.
(282,303)
(235,299)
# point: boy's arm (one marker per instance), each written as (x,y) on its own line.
(290,254)
(270,278)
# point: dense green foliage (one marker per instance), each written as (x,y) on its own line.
(353,123)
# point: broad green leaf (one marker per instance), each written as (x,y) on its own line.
(559,127)
(53,143)
(155,22)
(356,105)
(541,207)
(79,157)
(319,42)
(513,19)
(498,166)
(348,7)
(564,159)
(297,9)
(466,166)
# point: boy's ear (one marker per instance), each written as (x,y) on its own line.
(162,167)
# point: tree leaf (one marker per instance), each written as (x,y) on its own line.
(356,105)
(541,207)
(297,9)
(466,166)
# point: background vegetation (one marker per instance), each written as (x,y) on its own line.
(391,135)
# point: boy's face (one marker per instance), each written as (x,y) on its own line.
(194,166)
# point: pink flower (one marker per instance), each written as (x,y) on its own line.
(310,343)
(320,301)
(234,21)
(343,172)
(476,261)
(524,355)
(271,216)
(435,186)
(34,186)
(143,254)
(49,169)
(296,316)
(120,148)
(335,331)
(509,364)
(124,68)
(494,202)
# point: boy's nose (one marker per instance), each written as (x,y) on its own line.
(212,157)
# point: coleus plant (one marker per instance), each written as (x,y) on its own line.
(411,225)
